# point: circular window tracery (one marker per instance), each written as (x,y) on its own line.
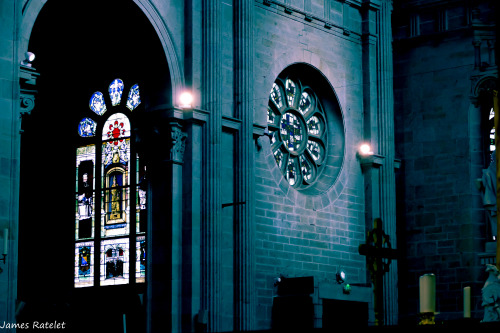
(297,127)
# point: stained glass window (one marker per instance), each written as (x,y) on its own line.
(97,103)
(140,262)
(114,261)
(84,264)
(87,127)
(134,98)
(110,187)
(276,96)
(296,123)
(115,91)
(491,122)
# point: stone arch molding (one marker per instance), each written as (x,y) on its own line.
(31,9)
(480,84)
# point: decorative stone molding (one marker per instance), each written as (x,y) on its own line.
(164,127)
(27,83)
(481,83)
(178,144)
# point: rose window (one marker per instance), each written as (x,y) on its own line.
(297,128)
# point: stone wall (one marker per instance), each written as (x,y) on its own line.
(438,135)
(296,234)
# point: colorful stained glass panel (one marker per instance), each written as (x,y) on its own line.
(305,103)
(291,131)
(116,152)
(115,91)
(116,127)
(276,96)
(271,116)
(114,261)
(134,97)
(291,172)
(290,92)
(115,213)
(278,156)
(87,127)
(140,262)
(84,264)
(97,103)
(306,168)
(141,196)
(315,149)
(84,187)
(314,126)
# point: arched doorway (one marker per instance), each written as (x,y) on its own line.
(80,48)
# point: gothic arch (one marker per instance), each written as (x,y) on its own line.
(32,9)
(37,16)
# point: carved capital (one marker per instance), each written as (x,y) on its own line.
(177,144)
(27,85)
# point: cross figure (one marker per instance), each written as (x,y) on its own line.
(379,255)
(291,129)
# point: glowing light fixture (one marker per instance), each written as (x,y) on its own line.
(365,149)
(29,57)
(186,100)
(340,276)
(347,289)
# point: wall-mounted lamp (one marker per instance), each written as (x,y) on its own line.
(340,276)
(365,149)
(29,57)
(186,100)
(5,247)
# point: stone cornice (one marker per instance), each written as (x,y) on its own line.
(316,21)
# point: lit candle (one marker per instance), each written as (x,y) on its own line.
(467,294)
(427,284)
(5,241)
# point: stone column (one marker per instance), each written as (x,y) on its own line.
(164,234)
(370,165)
(211,201)
(385,126)
(194,121)
(378,99)
(244,274)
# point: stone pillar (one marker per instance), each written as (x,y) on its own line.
(195,121)
(244,277)
(164,234)
(211,96)
(385,126)
(477,53)
(370,165)
(378,100)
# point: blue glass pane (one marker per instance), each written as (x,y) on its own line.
(115,91)
(134,98)
(291,132)
(97,103)
(87,127)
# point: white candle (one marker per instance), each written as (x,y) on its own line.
(467,293)
(5,241)
(427,284)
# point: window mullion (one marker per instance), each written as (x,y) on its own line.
(133,211)
(98,215)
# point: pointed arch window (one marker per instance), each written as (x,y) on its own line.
(110,195)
